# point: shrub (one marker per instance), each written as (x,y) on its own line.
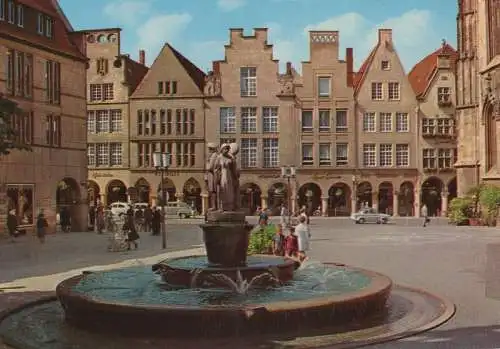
(459,209)
(261,239)
(489,198)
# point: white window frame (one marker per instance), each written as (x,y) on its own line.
(248,81)
(385,122)
(341,154)
(102,154)
(91,155)
(385,154)
(324,86)
(248,120)
(402,122)
(270,147)
(20,15)
(429,158)
(402,155)
(270,119)
(341,127)
(115,154)
(102,121)
(445,126)
(91,122)
(369,122)
(325,159)
(49,32)
(377,91)
(428,126)
(107,92)
(227,118)
(249,153)
(385,65)
(307,154)
(309,114)
(445,158)
(394,91)
(2,10)
(39,23)
(11,12)
(324,115)
(369,155)
(115,121)
(444,94)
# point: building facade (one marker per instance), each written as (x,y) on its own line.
(433,80)
(44,73)
(111,79)
(387,158)
(167,114)
(478,93)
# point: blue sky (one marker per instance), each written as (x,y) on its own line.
(199,28)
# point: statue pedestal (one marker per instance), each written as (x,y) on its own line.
(226,236)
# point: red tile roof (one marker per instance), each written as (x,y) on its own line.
(422,72)
(194,72)
(60,43)
(359,76)
(135,72)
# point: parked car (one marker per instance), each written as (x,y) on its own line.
(179,209)
(370,215)
(118,208)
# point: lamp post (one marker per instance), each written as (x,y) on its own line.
(289,172)
(354,200)
(161,162)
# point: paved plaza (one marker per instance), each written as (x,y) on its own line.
(460,263)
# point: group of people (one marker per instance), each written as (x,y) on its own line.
(295,243)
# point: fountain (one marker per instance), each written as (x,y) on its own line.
(228,294)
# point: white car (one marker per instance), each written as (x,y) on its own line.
(118,208)
(369,215)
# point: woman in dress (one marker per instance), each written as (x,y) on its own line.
(228,178)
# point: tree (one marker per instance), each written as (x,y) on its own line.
(9,136)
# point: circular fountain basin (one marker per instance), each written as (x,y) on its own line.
(136,301)
(196,271)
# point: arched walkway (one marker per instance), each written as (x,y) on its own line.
(143,190)
(365,196)
(93,192)
(276,196)
(67,193)
(309,197)
(116,192)
(385,197)
(250,197)
(169,192)
(452,189)
(192,194)
(406,199)
(431,190)
(339,200)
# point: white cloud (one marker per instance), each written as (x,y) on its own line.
(230,5)
(158,30)
(127,12)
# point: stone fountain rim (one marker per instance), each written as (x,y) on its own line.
(379,288)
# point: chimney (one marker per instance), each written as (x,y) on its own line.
(142,57)
(288,68)
(385,35)
(216,67)
(349,58)
(235,34)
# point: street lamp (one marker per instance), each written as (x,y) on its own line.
(289,172)
(161,162)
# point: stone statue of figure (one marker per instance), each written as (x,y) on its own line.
(211,175)
(229,178)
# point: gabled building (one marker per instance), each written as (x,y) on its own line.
(167,114)
(43,70)
(249,102)
(111,78)
(327,128)
(433,80)
(386,121)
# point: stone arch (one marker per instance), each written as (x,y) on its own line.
(93,192)
(250,197)
(67,192)
(143,190)
(406,199)
(385,197)
(309,196)
(116,191)
(277,194)
(192,194)
(364,192)
(339,200)
(452,188)
(431,191)
(169,191)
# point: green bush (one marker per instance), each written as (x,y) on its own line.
(261,239)
(459,209)
(489,198)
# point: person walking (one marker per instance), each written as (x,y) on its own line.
(12,225)
(424,212)
(41,227)
(303,235)
(156,222)
(65,220)
(148,219)
(132,235)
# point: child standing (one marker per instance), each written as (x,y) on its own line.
(279,242)
(291,244)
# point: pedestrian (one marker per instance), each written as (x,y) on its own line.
(291,245)
(156,223)
(92,216)
(65,220)
(129,227)
(12,225)
(139,219)
(41,227)
(100,219)
(263,217)
(279,242)
(303,235)
(424,212)
(283,214)
(148,219)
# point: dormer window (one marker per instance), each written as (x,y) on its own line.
(2,10)
(48,27)
(39,24)
(45,26)
(11,12)
(20,15)
(385,65)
